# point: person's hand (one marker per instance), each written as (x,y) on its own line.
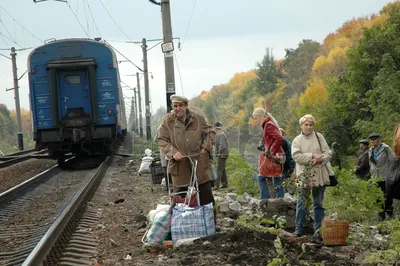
(203,151)
(316,160)
(177,156)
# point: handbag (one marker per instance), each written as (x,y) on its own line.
(268,167)
(333,181)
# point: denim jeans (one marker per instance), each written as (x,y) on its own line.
(264,188)
(302,210)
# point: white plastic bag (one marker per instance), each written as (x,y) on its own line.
(161,208)
(145,165)
(148,152)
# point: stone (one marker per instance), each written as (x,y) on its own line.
(228,222)
(242,199)
(218,199)
(235,206)
(233,196)
(223,207)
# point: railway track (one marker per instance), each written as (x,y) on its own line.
(38,216)
(21,156)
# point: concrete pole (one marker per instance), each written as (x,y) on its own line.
(140,106)
(146,90)
(136,111)
(16,97)
(169,56)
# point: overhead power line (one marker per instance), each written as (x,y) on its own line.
(77,18)
(94,21)
(190,20)
(116,24)
(16,21)
(11,40)
(141,70)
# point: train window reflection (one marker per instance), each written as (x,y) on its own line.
(71,80)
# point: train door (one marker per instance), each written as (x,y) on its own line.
(73,91)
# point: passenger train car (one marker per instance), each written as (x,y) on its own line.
(76,98)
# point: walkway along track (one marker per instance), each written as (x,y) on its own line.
(36,223)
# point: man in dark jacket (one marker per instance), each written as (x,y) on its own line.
(222,153)
(362,169)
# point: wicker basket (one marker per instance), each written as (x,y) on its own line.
(334,233)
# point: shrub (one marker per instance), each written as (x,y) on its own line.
(240,174)
(354,200)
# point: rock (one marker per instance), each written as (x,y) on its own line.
(242,199)
(228,222)
(223,207)
(233,196)
(218,199)
(235,206)
(378,237)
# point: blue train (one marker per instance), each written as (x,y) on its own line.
(76,97)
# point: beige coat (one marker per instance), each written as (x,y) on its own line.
(189,140)
(302,149)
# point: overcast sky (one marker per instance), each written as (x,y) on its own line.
(222,38)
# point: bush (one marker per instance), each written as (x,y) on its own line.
(241,176)
(354,200)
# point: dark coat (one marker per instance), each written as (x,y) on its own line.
(362,170)
(290,164)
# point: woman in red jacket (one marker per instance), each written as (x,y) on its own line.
(271,160)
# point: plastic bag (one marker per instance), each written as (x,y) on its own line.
(192,222)
(160,229)
(145,165)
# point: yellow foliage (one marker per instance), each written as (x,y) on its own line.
(314,96)
(240,80)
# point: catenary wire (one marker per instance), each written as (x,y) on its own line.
(179,71)
(190,20)
(94,21)
(76,17)
(124,56)
(101,2)
(86,17)
(16,21)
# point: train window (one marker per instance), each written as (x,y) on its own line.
(71,80)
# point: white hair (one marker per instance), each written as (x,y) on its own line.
(306,118)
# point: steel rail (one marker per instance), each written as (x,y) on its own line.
(13,192)
(18,159)
(45,249)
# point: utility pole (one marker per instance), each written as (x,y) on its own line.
(146,90)
(16,97)
(168,49)
(140,106)
(136,111)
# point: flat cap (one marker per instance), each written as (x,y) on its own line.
(218,125)
(364,141)
(374,136)
(179,99)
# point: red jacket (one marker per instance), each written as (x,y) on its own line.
(272,137)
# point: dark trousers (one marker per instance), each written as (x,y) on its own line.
(205,194)
(388,204)
(222,177)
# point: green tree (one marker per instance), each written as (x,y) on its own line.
(266,74)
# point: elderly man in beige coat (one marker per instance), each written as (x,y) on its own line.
(185,133)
